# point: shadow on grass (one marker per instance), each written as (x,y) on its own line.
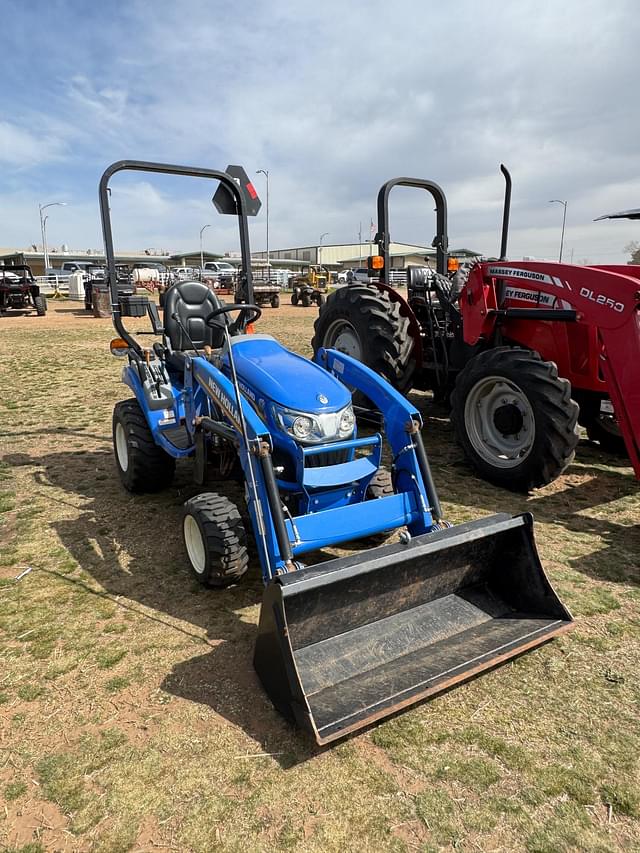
(596,480)
(132,547)
(76,311)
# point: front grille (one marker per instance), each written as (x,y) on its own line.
(288,473)
(331,457)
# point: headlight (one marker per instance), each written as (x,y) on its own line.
(317,428)
(347,422)
(302,427)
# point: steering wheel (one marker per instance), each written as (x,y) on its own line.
(252,313)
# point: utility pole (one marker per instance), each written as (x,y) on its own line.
(564,218)
(201,250)
(322,236)
(43,229)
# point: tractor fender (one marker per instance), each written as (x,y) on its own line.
(405,311)
(165,410)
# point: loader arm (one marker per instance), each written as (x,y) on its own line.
(607,298)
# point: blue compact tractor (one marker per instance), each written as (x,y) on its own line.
(344,642)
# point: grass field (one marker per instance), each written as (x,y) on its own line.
(130,715)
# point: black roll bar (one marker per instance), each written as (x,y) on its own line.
(440,241)
(245,288)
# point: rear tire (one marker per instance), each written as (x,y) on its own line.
(215,540)
(363,322)
(294,297)
(515,419)
(607,433)
(141,464)
(40,304)
(275,301)
(305,300)
(601,426)
(320,300)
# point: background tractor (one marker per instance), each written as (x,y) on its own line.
(310,286)
(521,366)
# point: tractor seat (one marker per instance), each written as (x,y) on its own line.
(192,302)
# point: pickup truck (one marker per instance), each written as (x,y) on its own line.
(90,270)
(224,272)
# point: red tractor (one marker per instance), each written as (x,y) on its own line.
(524,351)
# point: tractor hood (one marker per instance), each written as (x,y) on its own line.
(275,373)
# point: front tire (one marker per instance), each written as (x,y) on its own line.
(364,323)
(215,540)
(515,419)
(305,300)
(295,297)
(381,486)
(141,464)
(275,301)
(40,304)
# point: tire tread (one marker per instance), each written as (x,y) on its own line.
(557,431)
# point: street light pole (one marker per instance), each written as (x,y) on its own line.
(43,229)
(265,172)
(201,251)
(322,236)
(564,219)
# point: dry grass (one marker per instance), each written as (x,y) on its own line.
(130,715)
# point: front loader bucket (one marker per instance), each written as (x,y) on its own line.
(350,641)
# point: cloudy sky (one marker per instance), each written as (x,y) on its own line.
(332,98)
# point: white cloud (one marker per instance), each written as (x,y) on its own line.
(335,98)
(105,105)
(23,148)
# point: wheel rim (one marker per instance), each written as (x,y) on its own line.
(341,335)
(499,422)
(122,450)
(195,544)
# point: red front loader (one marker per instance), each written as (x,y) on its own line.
(602,340)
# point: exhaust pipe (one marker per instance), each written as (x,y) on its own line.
(348,642)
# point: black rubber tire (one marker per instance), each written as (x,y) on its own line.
(295,297)
(40,304)
(320,300)
(224,539)
(555,416)
(275,301)
(149,468)
(612,442)
(603,430)
(305,299)
(381,486)
(383,332)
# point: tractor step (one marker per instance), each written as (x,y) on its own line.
(178,436)
(353,640)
